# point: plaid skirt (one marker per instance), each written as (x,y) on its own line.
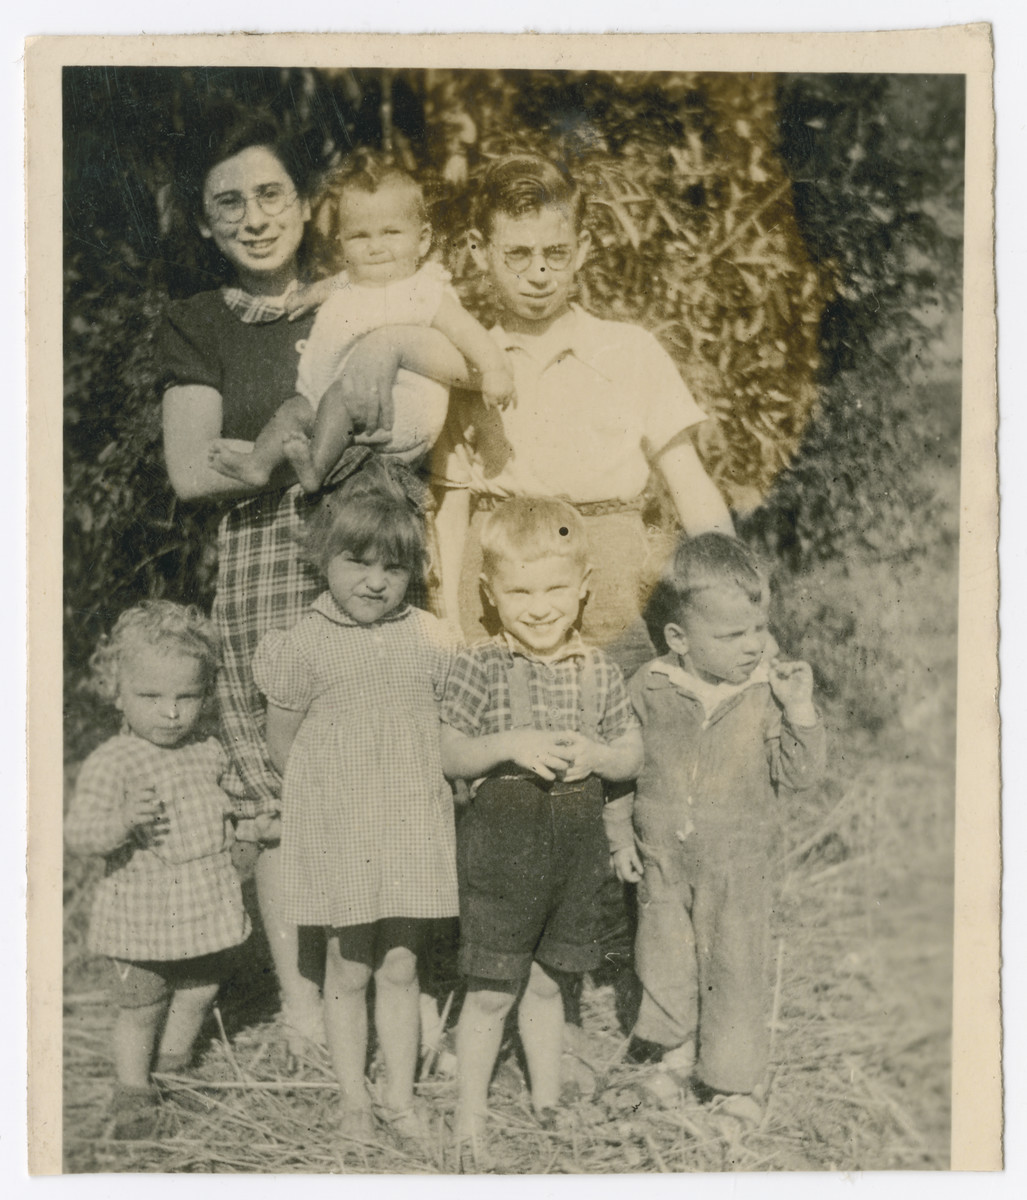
(262,585)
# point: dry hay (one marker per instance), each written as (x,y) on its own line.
(860,1055)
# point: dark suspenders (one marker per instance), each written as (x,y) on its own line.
(519,681)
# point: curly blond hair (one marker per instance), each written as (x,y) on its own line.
(155,625)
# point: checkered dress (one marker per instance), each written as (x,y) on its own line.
(176,899)
(262,585)
(367,816)
(480,699)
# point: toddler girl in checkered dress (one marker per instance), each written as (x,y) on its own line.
(368,842)
(169,906)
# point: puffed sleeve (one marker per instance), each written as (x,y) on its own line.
(283,673)
(185,353)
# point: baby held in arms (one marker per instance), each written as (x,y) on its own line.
(382,229)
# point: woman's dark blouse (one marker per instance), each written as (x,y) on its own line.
(201,341)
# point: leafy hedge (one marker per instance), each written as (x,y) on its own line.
(794,241)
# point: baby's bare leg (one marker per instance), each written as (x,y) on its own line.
(312,458)
(293,419)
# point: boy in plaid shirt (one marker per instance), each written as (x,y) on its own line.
(539,720)
(169,905)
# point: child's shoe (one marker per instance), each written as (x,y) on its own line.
(744,1110)
(135,1112)
(668,1082)
(742,1107)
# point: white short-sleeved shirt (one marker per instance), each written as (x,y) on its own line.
(352,311)
(587,422)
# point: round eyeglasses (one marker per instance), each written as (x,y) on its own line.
(520,258)
(271,199)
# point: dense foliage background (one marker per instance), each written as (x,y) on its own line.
(794,241)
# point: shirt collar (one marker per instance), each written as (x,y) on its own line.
(574,647)
(710,695)
(573,333)
(257,310)
(325,605)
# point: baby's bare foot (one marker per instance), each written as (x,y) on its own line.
(296,449)
(247,468)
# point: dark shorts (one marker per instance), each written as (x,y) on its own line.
(138,984)
(532,861)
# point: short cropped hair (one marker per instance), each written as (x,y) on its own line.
(699,564)
(160,625)
(522,184)
(528,528)
(369,515)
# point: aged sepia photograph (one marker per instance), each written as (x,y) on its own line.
(512,525)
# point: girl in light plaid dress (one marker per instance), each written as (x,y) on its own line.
(368,842)
(149,800)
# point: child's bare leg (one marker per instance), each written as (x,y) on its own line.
(301,1003)
(479,1034)
(397,1017)
(540,1021)
(186,1013)
(346,1022)
(135,1036)
(312,458)
(293,419)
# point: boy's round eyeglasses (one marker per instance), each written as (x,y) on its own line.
(273,199)
(520,258)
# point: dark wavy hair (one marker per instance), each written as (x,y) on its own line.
(521,184)
(223,129)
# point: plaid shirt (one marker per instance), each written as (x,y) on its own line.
(479,698)
(170,900)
